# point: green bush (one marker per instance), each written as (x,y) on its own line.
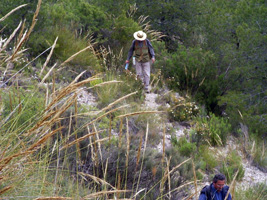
(240,109)
(25,106)
(192,70)
(182,109)
(258,191)
(108,93)
(258,152)
(213,130)
(207,160)
(231,165)
(67,45)
(183,146)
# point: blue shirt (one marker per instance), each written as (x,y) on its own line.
(217,195)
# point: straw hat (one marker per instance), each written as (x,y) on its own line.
(139,35)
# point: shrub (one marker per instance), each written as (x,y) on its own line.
(258,191)
(67,45)
(193,70)
(183,146)
(258,152)
(231,165)
(182,109)
(27,105)
(110,92)
(207,159)
(213,130)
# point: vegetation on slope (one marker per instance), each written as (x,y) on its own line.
(52,146)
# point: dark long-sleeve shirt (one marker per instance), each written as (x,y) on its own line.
(140,43)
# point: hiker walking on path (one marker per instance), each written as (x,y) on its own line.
(216,190)
(144,55)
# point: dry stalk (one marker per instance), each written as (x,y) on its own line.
(169,178)
(139,113)
(120,135)
(119,100)
(109,129)
(147,128)
(6,160)
(127,152)
(111,111)
(73,56)
(48,73)
(10,38)
(21,32)
(105,174)
(15,9)
(17,48)
(93,157)
(139,152)
(96,179)
(77,140)
(195,177)
(99,194)
(53,198)
(99,146)
(27,34)
(166,175)
(34,19)
(178,188)
(5,189)
(49,56)
(54,115)
(231,186)
(173,169)
(163,144)
(43,139)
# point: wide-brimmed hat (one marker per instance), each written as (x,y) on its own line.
(139,35)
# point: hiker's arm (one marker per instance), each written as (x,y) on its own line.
(130,53)
(151,50)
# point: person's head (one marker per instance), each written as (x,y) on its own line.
(139,35)
(219,181)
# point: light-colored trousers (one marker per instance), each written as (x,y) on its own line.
(143,72)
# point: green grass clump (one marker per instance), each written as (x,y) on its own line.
(213,130)
(185,147)
(258,191)
(231,165)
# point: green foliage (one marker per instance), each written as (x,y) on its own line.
(182,109)
(257,150)
(239,110)
(183,146)
(231,165)
(213,130)
(124,28)
(193,70)
(171,17)
(208,161)
(13,20)
(258,191)
(108,93)
(26,107)
(67,45)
